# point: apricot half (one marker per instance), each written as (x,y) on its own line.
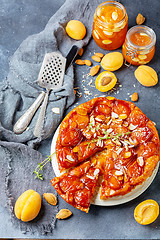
(105,81)
(146,212)
(76,29)
(28,205)
(112,61)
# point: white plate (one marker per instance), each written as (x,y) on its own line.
(117,200)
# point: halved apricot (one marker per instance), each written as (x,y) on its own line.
(105,81)
(146,212)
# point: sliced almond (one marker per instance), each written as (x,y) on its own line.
(142,57)
(99,55)
(94,70)
(132,127)
(118,173)
(80,52)
(114,16)
(88,62)
(116,29)
(79,62)
(69,157)
(56,110)
(95,34)
(96,58)
(106,42)
(50,198)
(134,97)
(114,115)
(140,19)
(123,116)
(127,154)
(140,161)
(143,34)
(108,33)
(135,59)
(63,214)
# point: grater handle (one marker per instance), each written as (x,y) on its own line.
(40,121)
(23,122)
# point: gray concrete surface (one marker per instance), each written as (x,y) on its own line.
(21,18)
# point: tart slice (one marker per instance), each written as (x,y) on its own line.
(78,186)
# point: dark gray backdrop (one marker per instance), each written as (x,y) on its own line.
(19,19)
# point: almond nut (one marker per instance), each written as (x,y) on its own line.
(50,198)
(94,70)
(88,62)
(140,19)
(79,62)
(63,214)
(80,52)
(99,55)
(96,58)
(134,97)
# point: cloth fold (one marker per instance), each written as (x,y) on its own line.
(18,92)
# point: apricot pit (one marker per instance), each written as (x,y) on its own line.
(105,81)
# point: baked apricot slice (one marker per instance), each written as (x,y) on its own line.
(146,212)
(105,81)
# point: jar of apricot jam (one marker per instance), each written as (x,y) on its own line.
(110,25)
(139,45)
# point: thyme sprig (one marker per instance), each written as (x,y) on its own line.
(40,167)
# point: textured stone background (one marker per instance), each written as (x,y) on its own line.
(19,19)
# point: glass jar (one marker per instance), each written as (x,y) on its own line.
(110,25)
(139,45)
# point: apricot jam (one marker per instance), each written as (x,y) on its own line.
(139,45)
(110,25)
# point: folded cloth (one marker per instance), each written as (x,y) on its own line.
(17,93)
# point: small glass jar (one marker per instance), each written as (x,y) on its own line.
(110,25)
(139,45)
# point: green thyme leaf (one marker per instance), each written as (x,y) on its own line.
(40,167)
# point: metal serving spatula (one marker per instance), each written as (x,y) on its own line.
(50,77)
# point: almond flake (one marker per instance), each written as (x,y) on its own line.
(91,177)
(132,127)
(119,151)
(112,192)
(96,172)
(69,157)
(114,16)
(109,122)
(114,115)
(140,161)
(118,173)
(56,110)
(109,130)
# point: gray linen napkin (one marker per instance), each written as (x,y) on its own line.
(18,92)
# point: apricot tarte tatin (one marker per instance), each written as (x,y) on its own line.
(106,142)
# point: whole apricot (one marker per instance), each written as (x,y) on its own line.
(112,61)
(28,205)
(146,75)
(146,212)
(105,81)
(76,29)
